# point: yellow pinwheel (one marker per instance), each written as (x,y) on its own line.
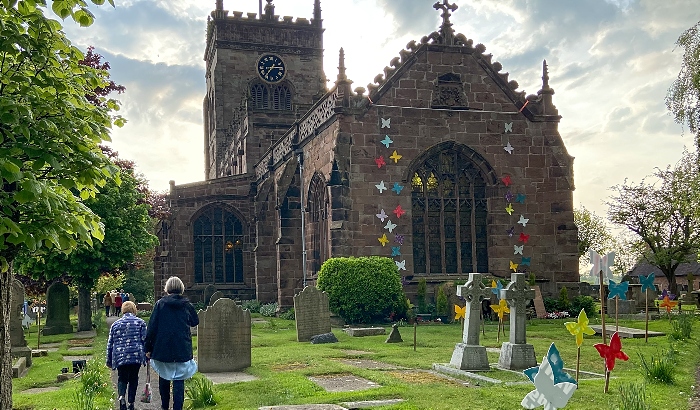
(501,309)
(460,312)
(580,327)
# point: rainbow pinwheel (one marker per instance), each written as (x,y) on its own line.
(580,327)
(668,304)
(460,312)
(501,309)
(647,282)
(611,352)
(496,287)
(618,289)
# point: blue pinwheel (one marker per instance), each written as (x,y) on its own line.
(496,290)
(619,290)
(557,364)
(647,282)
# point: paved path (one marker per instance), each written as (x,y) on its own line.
(155,398)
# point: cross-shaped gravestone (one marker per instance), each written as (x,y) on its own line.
(473,293)
(446,28)
(469,355)
(517,294)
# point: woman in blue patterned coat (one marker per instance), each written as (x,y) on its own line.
(125,352)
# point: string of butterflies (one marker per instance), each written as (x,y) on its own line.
(396,188)
(511,198)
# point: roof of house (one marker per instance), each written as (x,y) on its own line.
(683,269)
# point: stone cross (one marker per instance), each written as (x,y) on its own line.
(446,28)
(473,292)
(517,294)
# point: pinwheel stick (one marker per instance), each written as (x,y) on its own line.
(617,311)
(578,361)
(602,306)
(607,381)
(646,311)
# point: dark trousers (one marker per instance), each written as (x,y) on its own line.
(107,310)
(128,374)
(178,393)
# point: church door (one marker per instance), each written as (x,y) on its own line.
(218,253)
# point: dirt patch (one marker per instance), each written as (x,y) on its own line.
(81,342)
(343,383)
(38,390)
(289,366)
(356,352)
(418,377)
(370,364)
(695,401)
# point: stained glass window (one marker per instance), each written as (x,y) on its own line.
(218,252)
(318,223)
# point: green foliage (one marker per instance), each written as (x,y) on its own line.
(288,314)
(421,294)
(683,98)
(98,320)
(252,305)
(94,381)
(105,283)
(583,302)
(531,279)
(441,303)
(682,326)
(363,290)
(199,392)
(593,232)
(551,305)
(633,396)
(659,368)
(269,309)
(564,304)
(139,282)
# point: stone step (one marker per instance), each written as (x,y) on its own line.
(19,367)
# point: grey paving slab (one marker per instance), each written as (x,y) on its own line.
(38,390)
(343,383)
(624,332)
(305,407)
(84,335)
(80,348)
(371,403)
(370,364)
(229,377)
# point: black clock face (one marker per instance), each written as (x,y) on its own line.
(271,68)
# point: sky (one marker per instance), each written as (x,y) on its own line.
(611,63)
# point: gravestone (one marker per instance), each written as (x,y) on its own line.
(626,307)
(17,341)
(57,310)
(208,291)
(312,314)
(516,354)
(469,355)
(215,296)
(395,335)
(539,304)
(586,289)
(223,338)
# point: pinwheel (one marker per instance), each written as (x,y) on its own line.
(600,272)
(610,353)
(496,287)
(552,388)
(460,312)
(501,309)
(617,291)
(668,304)
(647,283)
(578,329)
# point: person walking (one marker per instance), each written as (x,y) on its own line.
(126,353)
(118,304)
(107,301)
(169,342)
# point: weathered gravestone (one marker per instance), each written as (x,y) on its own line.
(469,355)
(312,314)
(215,296)
(17,341)
(208,291)
(223,338)
(539,304)
(57,310)
(395,335)
(516,354)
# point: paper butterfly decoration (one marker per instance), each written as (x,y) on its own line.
(27,321)
(386,141)
(668,304)
(395,251)
(523,237)
(525,261)
(514,266)
(647,282)
(523,221)
(381,187)
(509,196)
(396,157)
(580,327)
(556,363)
(619,290)
(386,123)
(397,188)
(506,180)
(548,392)
(390,226)
(401,265)
(612,352)
(509,209)
(382,215)
(398,211)
(383,240)
(520,198)
(398,239)
(460,312)
(511,231)
(508,148)
(603,263)
(380,161)
(666,293)
(501,308)
(518,249)
(496,287)
(508,127)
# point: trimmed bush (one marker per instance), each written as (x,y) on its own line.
(583,302)
(363,290)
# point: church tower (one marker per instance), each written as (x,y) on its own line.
(261,71)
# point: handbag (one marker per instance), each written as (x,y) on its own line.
(146,394)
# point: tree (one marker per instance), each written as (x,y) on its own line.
(665,215)
(49,136)
(98,95)
(683,98)
(127,232)
(593,232)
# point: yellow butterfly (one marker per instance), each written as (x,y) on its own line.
(501,308)
(460,312)
(514,266)
(383,240)
(580,327)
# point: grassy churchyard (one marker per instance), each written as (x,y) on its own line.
(284,369)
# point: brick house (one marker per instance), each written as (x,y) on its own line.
(439,164)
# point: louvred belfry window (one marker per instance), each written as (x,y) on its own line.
(218,247)
(449,211)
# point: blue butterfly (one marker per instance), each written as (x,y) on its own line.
(395,251)
(497,290)
(525,261)
(619,290)
(557,364)
(520,198)
(647,282)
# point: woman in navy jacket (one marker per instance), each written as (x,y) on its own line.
(169,342)
(125,352)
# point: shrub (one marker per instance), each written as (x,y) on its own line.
(441,302)
(659,368)
(682,326)
(252,305)
(564,303)
(551,305)
(633,397)
(269,309)
(421,293)
(199,392)
(288,315)
(582,302)
(363,290)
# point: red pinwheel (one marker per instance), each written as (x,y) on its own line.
(523,237)
(380,161)
(611,352)
(506,180)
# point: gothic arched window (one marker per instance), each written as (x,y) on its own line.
(218,251)
(282,98)
(318,223)
(260,96)
(449,212)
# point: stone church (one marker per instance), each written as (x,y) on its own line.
(440,164)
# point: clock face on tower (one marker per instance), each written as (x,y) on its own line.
(271,68)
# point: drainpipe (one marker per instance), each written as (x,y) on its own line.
(300,159)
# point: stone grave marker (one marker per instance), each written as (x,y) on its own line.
(57,310)
(312,314)
(215,296)
(469,355)
(18,343)
(395,335)
(516,354)
(223,338)
(208,291)
(539,304)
